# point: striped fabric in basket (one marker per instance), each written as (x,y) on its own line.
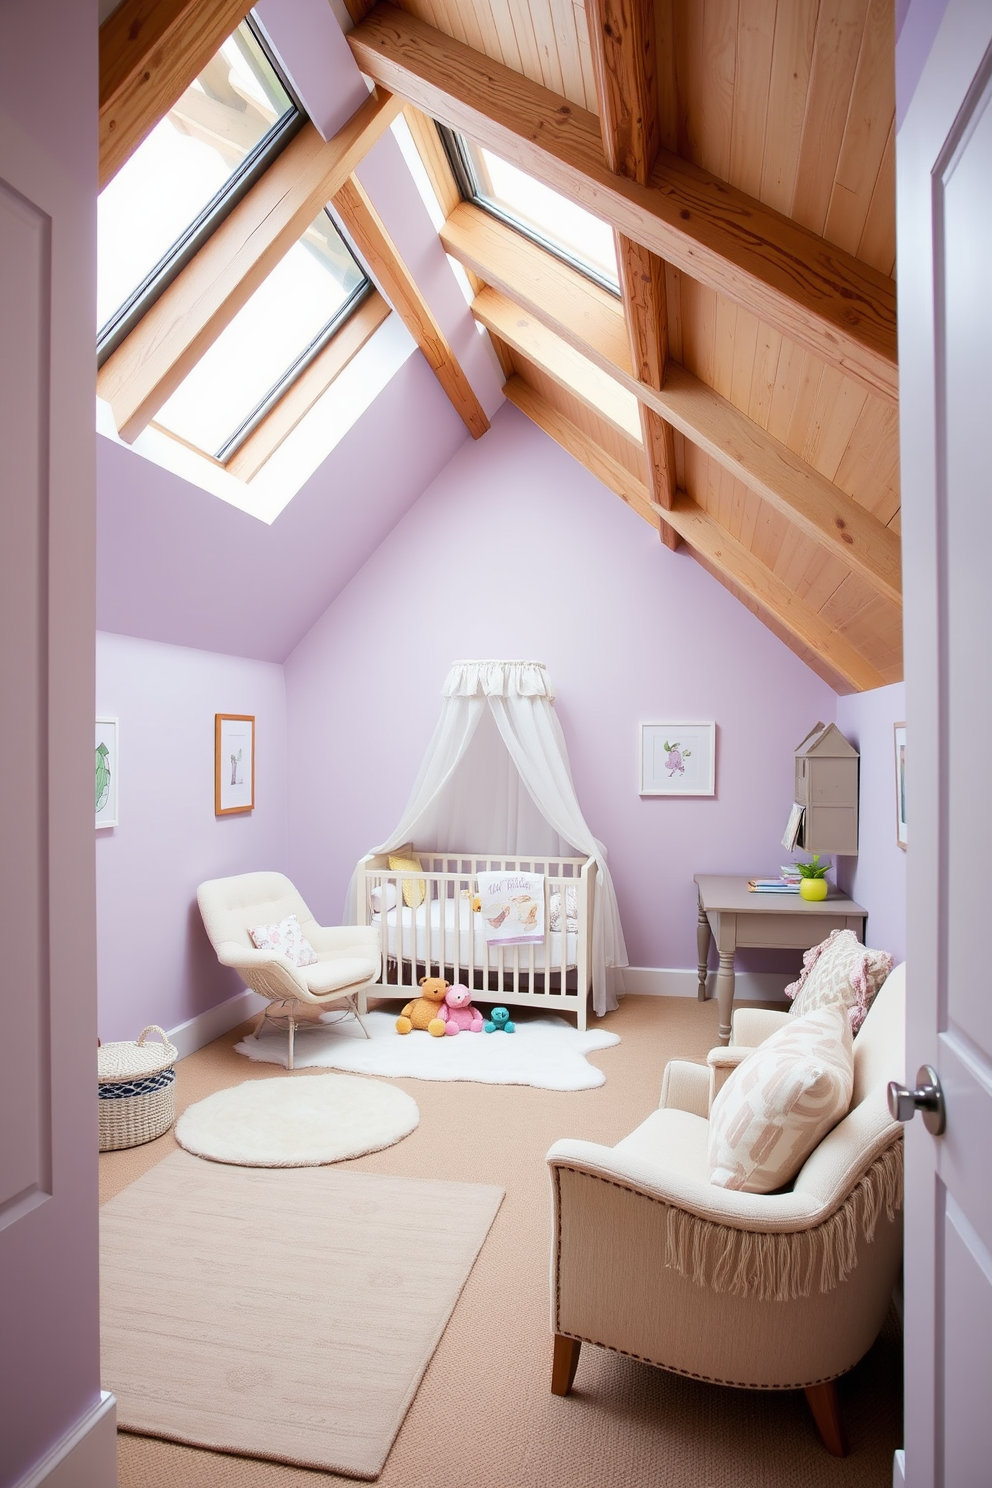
(137,1097)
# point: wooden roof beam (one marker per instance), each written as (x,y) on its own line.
(837,307)
(584,448)
(722,554)
(530,289)
(370,237)
(569,368)
(150,52)
(621,36)
(190,314)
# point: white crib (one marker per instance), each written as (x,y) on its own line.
(443,936)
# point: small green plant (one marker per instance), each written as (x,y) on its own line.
(814,868)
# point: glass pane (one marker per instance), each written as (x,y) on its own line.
(266,341)
(562,223)
(184,163)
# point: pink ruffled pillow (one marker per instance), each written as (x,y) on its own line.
(287,938)
(840,970)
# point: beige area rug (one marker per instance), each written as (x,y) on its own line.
(484,1416)
(285,1314)
(297,1123)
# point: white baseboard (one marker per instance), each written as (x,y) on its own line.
(749,986)
(899,1469)
(86,1457)
(216,1021)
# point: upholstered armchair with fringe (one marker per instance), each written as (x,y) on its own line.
(781,1291)
(348,958)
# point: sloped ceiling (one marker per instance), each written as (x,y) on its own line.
(176,564)
(745,157)
(743,396)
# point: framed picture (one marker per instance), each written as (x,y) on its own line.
(107,768)
(234,763)
(678,759)
(900,744)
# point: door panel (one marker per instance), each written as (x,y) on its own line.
(25,1062)
(944,154)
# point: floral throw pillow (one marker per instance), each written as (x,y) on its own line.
(840,970)
(287,939)
(781,1101)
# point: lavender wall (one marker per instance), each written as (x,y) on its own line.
(877,877)
(177,564)
(517,550)
(155,964)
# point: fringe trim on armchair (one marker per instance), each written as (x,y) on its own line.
(776,1267)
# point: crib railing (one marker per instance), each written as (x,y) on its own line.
(436,934)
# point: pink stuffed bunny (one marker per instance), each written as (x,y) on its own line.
(460,1015)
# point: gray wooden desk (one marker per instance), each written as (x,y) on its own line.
(729,911)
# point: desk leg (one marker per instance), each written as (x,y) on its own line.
(703,938)
(725,993)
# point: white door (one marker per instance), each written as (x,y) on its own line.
(944,154)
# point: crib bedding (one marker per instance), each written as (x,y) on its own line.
(449,930)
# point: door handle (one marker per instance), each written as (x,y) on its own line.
(928,1097)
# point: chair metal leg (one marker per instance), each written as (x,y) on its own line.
(564,1363)
(292,1040)
(260,1022)
(358,1015)
(824,1402)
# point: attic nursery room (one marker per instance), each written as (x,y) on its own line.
(527,1049)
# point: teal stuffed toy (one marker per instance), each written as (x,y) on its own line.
(499,1019)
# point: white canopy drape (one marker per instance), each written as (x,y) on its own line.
(498,732)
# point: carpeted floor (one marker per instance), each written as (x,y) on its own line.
(484,1414)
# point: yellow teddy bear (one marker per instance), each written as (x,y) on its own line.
(425,1011)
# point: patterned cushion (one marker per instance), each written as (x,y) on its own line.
(571,910)
(414,889)
(288,939)
(781,1101)
(840,970)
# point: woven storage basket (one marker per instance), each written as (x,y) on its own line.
(137,1089)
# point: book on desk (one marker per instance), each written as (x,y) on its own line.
(787,883)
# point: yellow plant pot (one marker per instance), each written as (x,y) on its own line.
(813,889)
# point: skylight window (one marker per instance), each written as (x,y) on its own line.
(289,318)
(564,228)
(190,171)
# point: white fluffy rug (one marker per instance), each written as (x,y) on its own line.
(297,1123)
(547,1052)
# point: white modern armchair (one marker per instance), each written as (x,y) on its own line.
(779,1291)
(348,958)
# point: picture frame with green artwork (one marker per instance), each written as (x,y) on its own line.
(234,763)
(108,753)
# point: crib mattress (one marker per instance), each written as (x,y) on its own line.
(457,937)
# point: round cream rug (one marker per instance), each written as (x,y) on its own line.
(297,1123)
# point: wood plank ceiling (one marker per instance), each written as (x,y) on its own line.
(743,397)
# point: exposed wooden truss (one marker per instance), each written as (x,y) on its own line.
(621,34)
(816,294)
(791,472)
(190,314)
(741,394)
(150,52)
(365,228)
(590,321)
(844,667)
